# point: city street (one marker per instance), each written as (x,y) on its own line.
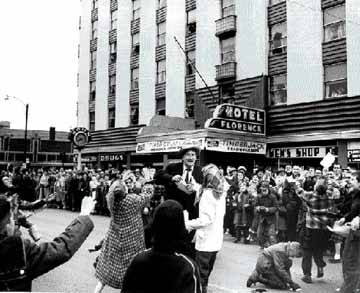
(233,265)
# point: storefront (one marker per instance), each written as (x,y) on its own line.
(234,136)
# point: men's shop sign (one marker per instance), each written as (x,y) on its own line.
(301,152)
(235,146)
(167,146)
(238,118)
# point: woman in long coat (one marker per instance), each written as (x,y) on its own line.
(125,237)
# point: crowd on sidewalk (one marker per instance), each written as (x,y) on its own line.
(285,211)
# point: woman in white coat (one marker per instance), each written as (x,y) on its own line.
(209,225)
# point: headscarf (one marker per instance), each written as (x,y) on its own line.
(213,180)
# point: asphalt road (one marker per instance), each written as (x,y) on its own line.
(233,265)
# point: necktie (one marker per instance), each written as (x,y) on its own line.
(187,176)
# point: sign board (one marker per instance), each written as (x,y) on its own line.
(301,152)
(354,155)
(328,160)
(110,157)
(85,158)
(238,118)
(235,146)
(167,146)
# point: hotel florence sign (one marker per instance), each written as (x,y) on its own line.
(238,118)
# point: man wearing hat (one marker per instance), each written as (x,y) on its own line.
(182,180)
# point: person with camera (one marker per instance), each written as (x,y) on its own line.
(23,260)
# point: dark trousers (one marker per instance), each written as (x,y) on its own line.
(291,222)
(205,261)
(315,244)
(351,263)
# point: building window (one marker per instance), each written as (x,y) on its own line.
(227,50)
(113,49)
(135,78)
(134,115)
(191,22)
(227,8)
(334,23)
(93,59)
(227,93)
(189,107)
(94,29)
(91,121)
(161,33)
(161,71)
(162,3)
(111,117)
(136,9)
(335,80)
(113,23)
(112,85)
(92,90)
(278,92)
(278,41)
(160,107)
(95,4)
(190,62)
(274,2)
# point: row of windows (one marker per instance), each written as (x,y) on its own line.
(334,28)
(335,84)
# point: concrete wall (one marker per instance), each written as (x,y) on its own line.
(353,46)
(175,65)
(122,108)
(251,38)
(304,51)
(84,65)
(102,65)
(147,70)
(207,44)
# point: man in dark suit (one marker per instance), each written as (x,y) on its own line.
(182,181)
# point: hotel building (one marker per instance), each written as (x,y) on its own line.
(162,67)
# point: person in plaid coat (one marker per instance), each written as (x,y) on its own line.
(319,209)
(125,237)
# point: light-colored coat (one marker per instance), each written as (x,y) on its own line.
(209,224)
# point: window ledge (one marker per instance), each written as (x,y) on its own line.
(333,41)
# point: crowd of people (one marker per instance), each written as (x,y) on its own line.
(181,213)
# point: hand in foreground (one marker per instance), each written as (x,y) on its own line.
(355,223)
(87,206)
(341,222)
(176,178)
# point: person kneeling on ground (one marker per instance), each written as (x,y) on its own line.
(273,266)
(23,260)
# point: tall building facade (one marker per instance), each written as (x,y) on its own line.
(296,59)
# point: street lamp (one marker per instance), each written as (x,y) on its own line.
(7,97)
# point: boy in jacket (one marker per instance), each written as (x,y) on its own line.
(273,266)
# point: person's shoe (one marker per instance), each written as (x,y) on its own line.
(249,283)
(237,240)
(320,273)
(307,279)
(334,260)
(34,233)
